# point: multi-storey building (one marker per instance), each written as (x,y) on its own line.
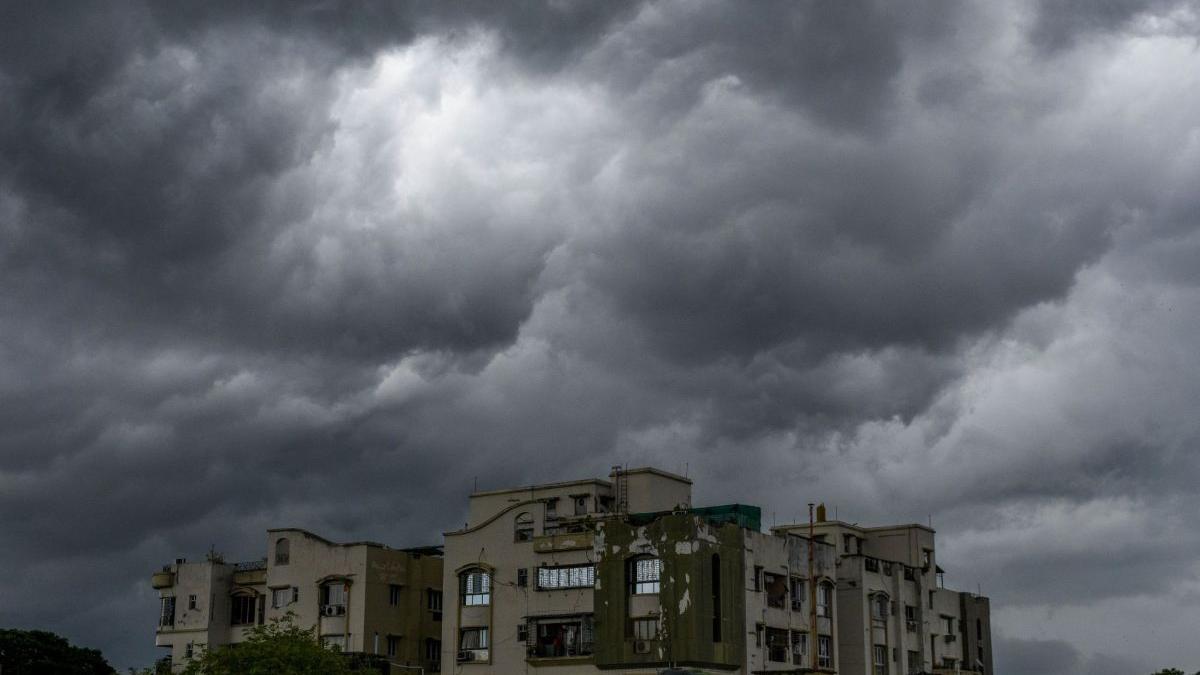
(894,615)
(363,597)
(626,575)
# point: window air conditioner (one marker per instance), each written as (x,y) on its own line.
(466,655)
(641,647)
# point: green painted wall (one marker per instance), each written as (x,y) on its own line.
(685,542)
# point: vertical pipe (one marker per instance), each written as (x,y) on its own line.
(812,592)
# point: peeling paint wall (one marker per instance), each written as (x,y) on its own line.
(685,605)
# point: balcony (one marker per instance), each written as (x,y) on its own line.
(566,541)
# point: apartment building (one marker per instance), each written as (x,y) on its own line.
(363,597)
(894,614)
(626,575)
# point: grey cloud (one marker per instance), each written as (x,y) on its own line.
(327,267)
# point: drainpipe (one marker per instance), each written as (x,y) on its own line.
(812,592)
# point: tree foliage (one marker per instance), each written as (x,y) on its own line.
(36,652)
(279,647)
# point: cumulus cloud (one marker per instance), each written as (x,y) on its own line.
(327,267)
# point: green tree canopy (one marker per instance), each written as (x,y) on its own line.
(36,652)
(279,647)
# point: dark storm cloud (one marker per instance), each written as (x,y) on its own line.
(329,265)
(1060,24)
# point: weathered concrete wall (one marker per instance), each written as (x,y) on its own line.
(685,604)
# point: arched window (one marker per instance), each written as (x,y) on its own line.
(282,551)
(475,587)
(644,573)
(825,599)
(523,527)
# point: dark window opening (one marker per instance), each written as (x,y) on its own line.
(243,610)
(777,645)
(776,588)
(550,638)
(716,597)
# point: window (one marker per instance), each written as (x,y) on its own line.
(393,594)
(979,630)
(926,558)
(776,588)
(393,645)
(887,569)
(336,643)
(910,574)
(914,662)
(242,610)
(581,505)
(824,651)
(189,650)
(910,618)
(758,572)
(191,602)
(282,597)
(871,564)
(880,660)
(475,586)
(551,509)
(473,640)
(777,645)
(799,648)
(166,611)
(523,527)
(558,637)
(523,633)
(645,628)
(433,650)
(333,598)
(949,625)
(282,551)
(879,607)
(758,633)
(522,577)
(575,576)
(930,599)
(645,575)
(824,599)
(433,600)
(846,539)
(949,663)
(797,596)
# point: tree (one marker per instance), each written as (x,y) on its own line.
(36,652)
(278,648)
(1172,671)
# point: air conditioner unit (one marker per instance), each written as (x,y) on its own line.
(951,638)
(641,647)
(466,655)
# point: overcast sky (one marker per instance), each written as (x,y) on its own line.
(322,265)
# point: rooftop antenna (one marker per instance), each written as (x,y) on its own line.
(835,512)
(686,467)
